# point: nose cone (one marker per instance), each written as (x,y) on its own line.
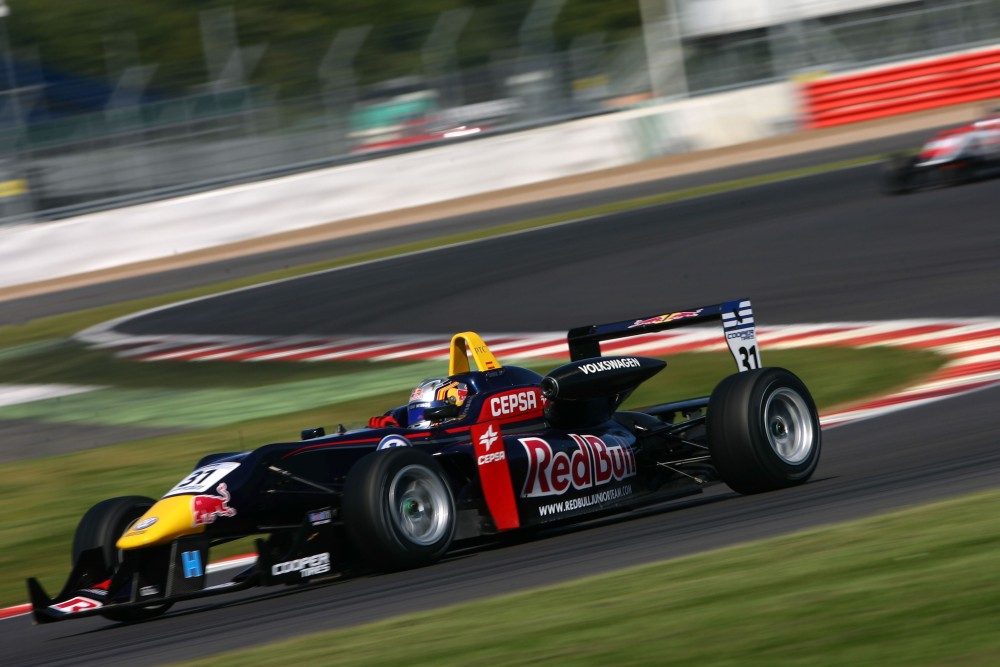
(165,521)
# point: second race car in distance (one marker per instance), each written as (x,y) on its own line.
(951,157)
(489,449)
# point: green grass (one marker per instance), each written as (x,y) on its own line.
(916,587)
(66,361)
(185,394)
(52,493)
(835,376)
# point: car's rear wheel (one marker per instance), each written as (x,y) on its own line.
(398,509)
(100,528)
(763,430)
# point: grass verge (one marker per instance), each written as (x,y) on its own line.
(916,587)
(194,395)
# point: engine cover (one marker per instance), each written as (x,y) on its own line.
(587,392)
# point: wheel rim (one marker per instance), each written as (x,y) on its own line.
(420,506)
(789,426)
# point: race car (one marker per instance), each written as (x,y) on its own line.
(953,156)
(485,451)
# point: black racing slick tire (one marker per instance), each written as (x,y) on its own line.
(101,527)
(763,430)
(398,509)
(104,523)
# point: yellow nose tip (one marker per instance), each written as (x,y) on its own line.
(165,521)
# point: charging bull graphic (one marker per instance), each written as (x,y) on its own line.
(206,508)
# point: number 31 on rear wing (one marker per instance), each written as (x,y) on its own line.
(737,326)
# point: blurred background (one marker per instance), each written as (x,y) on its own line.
(105,103)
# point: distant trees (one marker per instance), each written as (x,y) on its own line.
(99,38)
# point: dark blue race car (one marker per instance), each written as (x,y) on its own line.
(486,450)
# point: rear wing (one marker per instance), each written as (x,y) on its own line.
(737,327)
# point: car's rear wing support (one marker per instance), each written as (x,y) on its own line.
(737,326)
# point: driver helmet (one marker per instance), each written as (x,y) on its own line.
(432,394)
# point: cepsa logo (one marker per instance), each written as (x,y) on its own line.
(514,403)
(593,463)
(487,439)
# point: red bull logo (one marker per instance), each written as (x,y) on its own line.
(593,463)
(669,317)
(206,508)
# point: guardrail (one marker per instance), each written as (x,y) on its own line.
(894,91)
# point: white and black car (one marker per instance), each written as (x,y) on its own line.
(952,157)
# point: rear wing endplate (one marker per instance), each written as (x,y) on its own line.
(737,327)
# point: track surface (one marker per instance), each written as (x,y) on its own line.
(823,248)
(818,249)
(28,308)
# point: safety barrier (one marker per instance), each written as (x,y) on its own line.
(942,82)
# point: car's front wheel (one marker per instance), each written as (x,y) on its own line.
(763,430)
(100,528)
(398,509)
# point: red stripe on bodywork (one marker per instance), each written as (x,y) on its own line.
(338,443)
(494,475)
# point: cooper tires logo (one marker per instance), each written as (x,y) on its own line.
(309,566)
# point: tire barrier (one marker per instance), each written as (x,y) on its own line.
(970,77)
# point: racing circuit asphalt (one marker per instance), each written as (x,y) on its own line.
(823,248)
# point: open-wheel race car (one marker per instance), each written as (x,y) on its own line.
(951,157)
(489,449)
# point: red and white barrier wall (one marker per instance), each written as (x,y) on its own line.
(893,91)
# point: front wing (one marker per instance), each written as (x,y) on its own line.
(148,578)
